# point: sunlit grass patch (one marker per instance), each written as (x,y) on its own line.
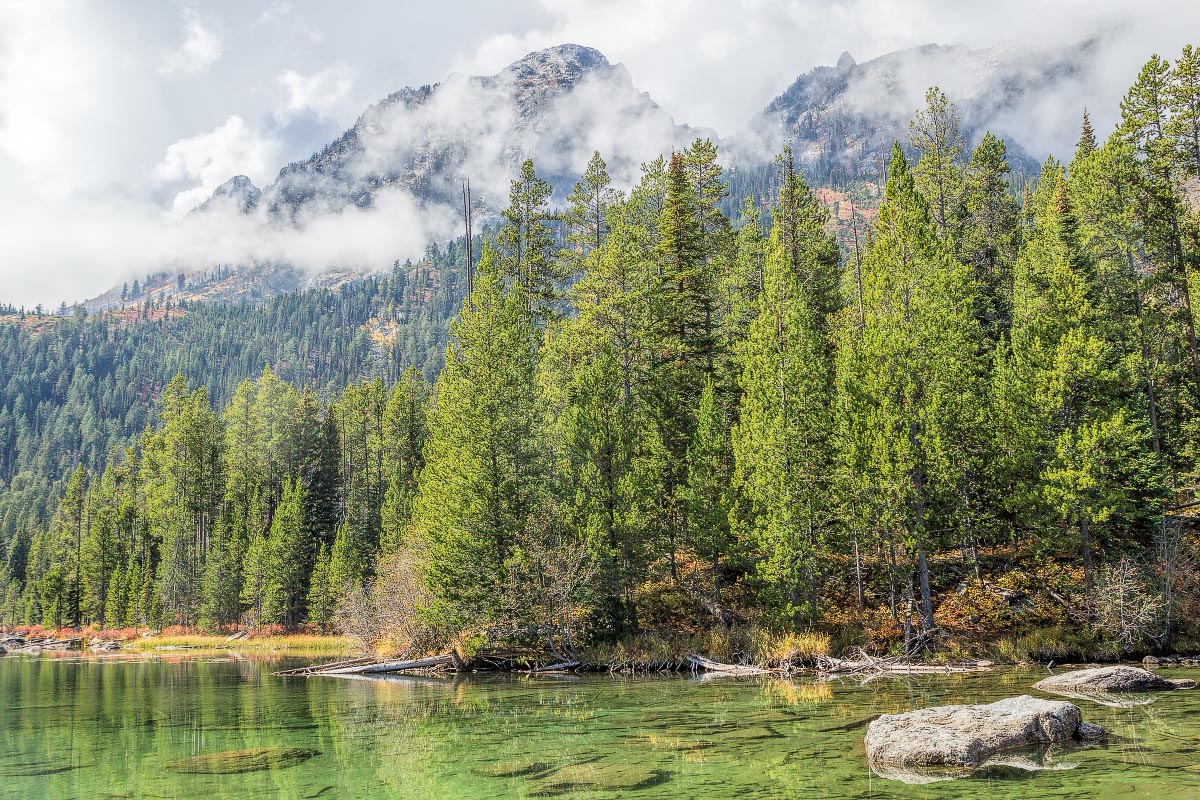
(301,643)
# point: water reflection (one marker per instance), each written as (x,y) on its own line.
(92,727)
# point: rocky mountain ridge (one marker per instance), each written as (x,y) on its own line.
(556,105)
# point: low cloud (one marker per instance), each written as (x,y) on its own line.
(200,49)
(110,132)
(205,161)
(105,244)
(326,94)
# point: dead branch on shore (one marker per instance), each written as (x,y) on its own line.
(861,663)
(565,666)
(314,669)
(393,666)
(704,664)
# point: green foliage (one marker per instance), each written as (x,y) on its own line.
(783,440)
(908,380)
(646,418)
(484,464)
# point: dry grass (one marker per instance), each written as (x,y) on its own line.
(741,645)
(789,648)
(297,643)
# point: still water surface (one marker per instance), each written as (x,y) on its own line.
(110,727)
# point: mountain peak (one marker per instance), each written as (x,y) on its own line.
(239,192)
(846,61)
(563,58)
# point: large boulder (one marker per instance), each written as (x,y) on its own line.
(1120,678)
(968,736)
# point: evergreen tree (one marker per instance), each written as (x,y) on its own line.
(1183,97)
(1062,390)
(934,135)
(989,235)
(907,376)
(526,243)
(783,439)
(587,214)
(483,478)
(322,594)
(181,484)
(1145,120)
(683,340)
(405,431)
(290,555)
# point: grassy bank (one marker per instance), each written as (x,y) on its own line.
(300,644)
(141,640)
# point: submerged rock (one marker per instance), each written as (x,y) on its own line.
(234,761)
(1119,678)
(965,737)
(602,776)
(514,769)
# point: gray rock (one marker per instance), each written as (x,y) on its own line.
(967,736)
(1120,678)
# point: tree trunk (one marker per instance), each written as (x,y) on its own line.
(858,577)
(1089,579)
(926,595)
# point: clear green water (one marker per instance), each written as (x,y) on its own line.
(97,728)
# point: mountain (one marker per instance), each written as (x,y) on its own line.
(559,105)
(237,194)
(842,120)
(556,106)
(222,284)
(77,388)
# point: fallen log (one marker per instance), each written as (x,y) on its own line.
(313,669)
(62,644)
(862,663)
(565,666)
(392,666)
(700,662)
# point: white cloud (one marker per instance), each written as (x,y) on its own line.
(207,160)
(123,240)
(716,62)
(327,94)
(96,138)
(200,49)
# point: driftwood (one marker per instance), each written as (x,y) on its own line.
(392,666)
(862,663)
(702,663)
(565,666)
(314,669)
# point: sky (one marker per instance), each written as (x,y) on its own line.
(118,117)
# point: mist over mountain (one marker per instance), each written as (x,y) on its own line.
(556,106)
(841,120)
(391,183)
(559,105)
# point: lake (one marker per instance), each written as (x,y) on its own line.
(118,727)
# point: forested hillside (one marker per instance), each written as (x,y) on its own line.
(976,425)
(76,389)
